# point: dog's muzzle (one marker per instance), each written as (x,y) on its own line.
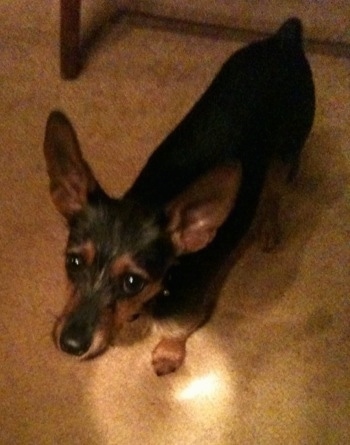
(78,331)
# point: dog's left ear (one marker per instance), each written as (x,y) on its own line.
(71,180)
(196,214)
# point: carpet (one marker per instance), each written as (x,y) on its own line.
(273,365)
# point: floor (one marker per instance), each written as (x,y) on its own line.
(273,366)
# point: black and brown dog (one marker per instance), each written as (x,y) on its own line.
(155,249)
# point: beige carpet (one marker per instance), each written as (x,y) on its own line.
(273,366)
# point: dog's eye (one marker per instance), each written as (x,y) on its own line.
(133,284)
(74,261)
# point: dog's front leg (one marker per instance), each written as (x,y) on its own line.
(187,304)
(170,352)
(194,218)
(169,355)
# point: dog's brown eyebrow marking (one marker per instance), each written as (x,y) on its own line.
(129,307)
(87,250)
(125,264)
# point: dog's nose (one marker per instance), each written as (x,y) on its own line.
(75,343)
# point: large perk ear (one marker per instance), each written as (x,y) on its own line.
(71,179)
(196,214)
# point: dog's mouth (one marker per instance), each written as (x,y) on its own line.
(78,341)
(82,350)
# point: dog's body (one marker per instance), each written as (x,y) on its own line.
(152,250)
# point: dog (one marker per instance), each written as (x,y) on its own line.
(155,250)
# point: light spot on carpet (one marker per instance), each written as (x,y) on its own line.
(208,385)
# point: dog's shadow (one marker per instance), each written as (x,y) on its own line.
(256,282)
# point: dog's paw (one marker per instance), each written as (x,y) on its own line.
(168,356)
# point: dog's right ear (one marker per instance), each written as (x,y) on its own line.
(197,213)
(71,180)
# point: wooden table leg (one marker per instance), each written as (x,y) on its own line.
(70,38)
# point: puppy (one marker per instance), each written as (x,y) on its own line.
(156,249)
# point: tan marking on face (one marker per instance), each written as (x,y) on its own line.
(125,264)
(87,250)
(102,336)
(103,332)
(130,306)
(125,309)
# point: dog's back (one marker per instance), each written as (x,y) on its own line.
(263,94)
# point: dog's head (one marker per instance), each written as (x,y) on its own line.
(118,252)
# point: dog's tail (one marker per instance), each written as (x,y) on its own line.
(290,35)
